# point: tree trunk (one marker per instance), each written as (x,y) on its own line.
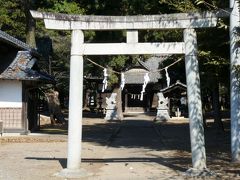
(118,90)
(216,105)
(54,107)
(30,24)
(86,99)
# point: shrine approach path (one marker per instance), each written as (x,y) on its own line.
(137,151)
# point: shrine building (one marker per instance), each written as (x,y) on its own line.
(20,78)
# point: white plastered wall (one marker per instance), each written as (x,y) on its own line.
(10,94)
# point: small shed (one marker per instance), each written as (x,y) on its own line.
(177,96)
(20,78)
(134,78)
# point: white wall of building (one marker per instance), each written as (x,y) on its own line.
(10,93)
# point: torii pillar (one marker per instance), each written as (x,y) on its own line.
(194,102)
(74,169)
(234,84)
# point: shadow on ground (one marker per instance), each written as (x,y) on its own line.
(173,163)
(170,137)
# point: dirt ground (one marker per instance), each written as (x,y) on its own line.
(136,148)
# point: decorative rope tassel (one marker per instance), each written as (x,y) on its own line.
(167,77)
(141,97)
(146,80)
(122,81)
(105,82)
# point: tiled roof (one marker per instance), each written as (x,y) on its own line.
(22,66)
(15,42)
(152,63)
(21,69)
(176,85)
(136,74)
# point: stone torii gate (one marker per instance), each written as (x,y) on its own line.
(79,23)
(234,84)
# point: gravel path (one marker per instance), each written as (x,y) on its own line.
(134,154)
(140,149)
(40,156)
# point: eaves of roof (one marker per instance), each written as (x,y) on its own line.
(21,69)
(136,76)
(176,85)
(17,43)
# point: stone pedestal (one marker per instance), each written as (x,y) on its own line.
(111,109)
(162,109)
(73,173)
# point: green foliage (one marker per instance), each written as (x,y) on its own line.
(118,62)
(68,7)
(213,43)
(61,40)
(180,5)
(12,19)
(113,77)
(214,4)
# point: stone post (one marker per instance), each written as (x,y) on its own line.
(111,109)
(194,101)
(162,108)
(234,82)
(75,109)
(132,36)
